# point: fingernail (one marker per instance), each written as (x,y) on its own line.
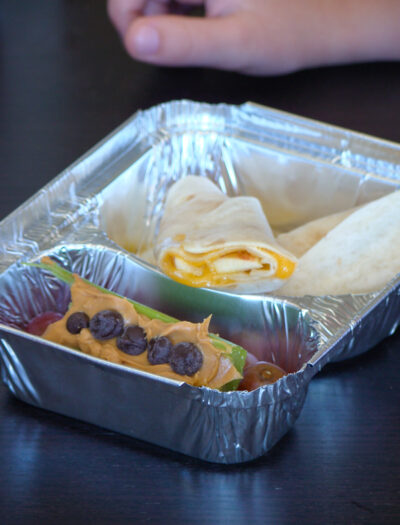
(147,40)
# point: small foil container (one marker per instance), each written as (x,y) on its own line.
(98,218)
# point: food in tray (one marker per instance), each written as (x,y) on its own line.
(302,238)
(207,239)
(108,326)
(359,255)
(260,373)
(39,323)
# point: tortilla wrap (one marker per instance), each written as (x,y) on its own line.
(207,239)
(299,240)
(359,255)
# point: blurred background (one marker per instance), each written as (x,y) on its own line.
(66,82)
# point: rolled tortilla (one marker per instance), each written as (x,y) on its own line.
(359,255)
(299,240)
(207,239)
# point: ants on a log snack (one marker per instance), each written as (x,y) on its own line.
(103,324)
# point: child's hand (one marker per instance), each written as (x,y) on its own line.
(258,36)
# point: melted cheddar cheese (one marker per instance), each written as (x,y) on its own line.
(219,269)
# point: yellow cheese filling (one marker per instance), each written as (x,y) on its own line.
(202,269)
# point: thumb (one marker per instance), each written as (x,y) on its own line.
(172,40)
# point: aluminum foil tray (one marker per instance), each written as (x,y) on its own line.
(101,212)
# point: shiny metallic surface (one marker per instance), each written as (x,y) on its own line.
(108,204)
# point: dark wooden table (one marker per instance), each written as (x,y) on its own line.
(66,82)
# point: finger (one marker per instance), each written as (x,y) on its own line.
(123,12)
(224,42)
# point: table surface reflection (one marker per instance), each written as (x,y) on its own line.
(67,83)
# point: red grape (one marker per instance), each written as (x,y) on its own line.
(262,373)
(251,360)
(38,324)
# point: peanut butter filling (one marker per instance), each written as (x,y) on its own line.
(216,370)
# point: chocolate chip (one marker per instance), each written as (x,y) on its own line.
(106,324)
(133,341)
(76,322)
(159,350)
(186,359)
